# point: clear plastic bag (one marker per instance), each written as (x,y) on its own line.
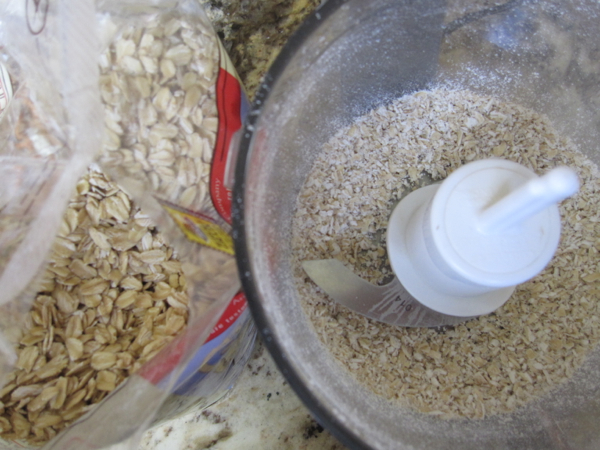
(146,89)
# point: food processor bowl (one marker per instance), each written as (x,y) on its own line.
(346,59)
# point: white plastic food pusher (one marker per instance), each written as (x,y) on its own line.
(461,247)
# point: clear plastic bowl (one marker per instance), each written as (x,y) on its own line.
(347,58)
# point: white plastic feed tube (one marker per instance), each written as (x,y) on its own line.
(531,198)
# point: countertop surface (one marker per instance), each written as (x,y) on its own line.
(261,411)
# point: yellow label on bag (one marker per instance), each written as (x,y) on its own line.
(201,229)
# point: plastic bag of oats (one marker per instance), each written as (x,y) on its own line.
(119,295)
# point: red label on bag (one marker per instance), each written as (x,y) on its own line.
(234,310)
(6,90)
(229,106)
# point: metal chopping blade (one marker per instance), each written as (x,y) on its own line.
(390,303)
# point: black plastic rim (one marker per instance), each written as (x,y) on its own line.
(263,323)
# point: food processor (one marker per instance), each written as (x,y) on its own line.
(348,58)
